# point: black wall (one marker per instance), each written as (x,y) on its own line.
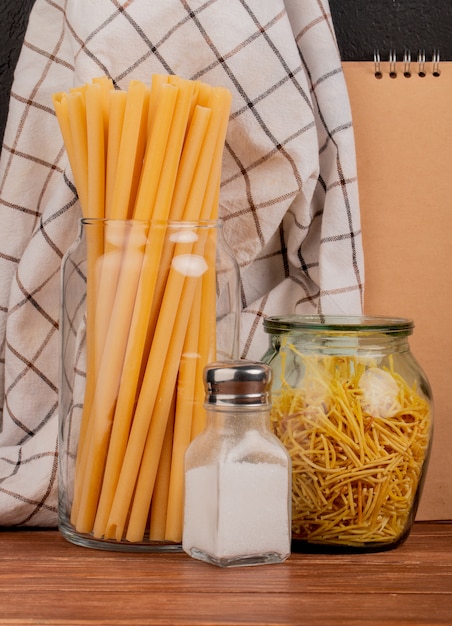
(365,25)
(13,21)
(361,27)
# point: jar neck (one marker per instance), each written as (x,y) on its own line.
(340,335)
(237,419)
(343,344)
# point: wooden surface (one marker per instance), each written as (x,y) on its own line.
(46,580)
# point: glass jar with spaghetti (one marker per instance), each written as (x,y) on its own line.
(354,410)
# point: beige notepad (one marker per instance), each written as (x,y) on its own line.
(403,134)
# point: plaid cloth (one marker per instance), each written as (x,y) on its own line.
(289,196)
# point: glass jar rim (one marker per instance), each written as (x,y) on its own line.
(279,324)
(201,223)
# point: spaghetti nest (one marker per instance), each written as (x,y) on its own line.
(358,436)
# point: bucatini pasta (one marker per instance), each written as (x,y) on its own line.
(143,159)
(358,436)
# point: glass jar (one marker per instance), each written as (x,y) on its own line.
(237,480)
(354,410)
(145,305)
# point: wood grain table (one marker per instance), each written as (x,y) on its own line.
(46,580)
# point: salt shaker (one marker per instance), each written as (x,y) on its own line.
(237,507)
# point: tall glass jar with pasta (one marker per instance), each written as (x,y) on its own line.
(145,305)
(354,410)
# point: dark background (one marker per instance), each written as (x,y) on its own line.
(362,26)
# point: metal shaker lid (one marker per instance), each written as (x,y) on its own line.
(233,383)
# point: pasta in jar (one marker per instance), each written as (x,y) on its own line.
(353,409)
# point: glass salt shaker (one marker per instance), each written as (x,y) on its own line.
(237,473)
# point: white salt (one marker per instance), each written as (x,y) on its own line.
(237,509)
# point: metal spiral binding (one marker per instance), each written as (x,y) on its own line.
(421,63)
(407,63)
(409,67)
(392,64)
(377,62)
(435,64)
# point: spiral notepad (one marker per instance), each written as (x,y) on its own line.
(402,115)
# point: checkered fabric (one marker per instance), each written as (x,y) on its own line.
(289,198)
